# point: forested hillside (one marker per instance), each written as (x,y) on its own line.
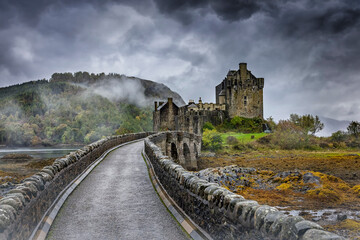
(77,108)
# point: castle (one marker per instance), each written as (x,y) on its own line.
(239,94)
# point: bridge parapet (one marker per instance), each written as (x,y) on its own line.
(223,214)
(24,206)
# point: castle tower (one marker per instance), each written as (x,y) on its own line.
(242,93)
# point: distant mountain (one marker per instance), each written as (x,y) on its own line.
(77,108)
(332,125)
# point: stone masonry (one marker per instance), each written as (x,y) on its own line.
(239,94)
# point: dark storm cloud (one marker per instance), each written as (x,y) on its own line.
(334,18)
(230,10)
(307,50)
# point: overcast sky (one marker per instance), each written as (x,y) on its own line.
(308,51)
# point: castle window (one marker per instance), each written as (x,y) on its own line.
(245,97)
(245,102)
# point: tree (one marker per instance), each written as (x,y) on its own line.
(354,128)
(307,122)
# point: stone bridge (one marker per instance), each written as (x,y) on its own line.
(182,147)
(109,195)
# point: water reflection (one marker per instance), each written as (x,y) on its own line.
(40,153)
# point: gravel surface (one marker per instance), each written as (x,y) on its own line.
(116,201)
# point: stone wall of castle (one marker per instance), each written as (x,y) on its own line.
(242,93)
(193,121)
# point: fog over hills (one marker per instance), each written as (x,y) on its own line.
(78,108)
(332,125)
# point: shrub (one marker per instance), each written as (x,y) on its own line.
(265,140)
(353,144)
(324,145)
(231,140)
(208,125)
(243,146)
(339,136)
(211,140)
(288,136)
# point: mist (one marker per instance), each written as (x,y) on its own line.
(118,90)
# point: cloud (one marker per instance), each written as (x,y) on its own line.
(307,51)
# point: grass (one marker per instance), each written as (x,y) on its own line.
(242,137)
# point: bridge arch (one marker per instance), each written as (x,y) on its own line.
(187,154)
(182,147)
(174,152)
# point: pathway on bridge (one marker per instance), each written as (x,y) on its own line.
(116,201)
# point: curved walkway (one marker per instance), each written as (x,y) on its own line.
(116,201)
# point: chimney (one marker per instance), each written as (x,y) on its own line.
(156,106)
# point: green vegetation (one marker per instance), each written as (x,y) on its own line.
(237,133)
(211,140)
(242,137)
(241,124)
(208,125)
(60,112)
(295,133)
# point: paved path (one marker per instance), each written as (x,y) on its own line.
(116,201)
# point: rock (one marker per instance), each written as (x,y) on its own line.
(15,203)
(320,235)
(303,226)
(311,178)
(341,217)
(287,173)
(288,228)
(260,214)
(7,212)
(247,216)
(270,218)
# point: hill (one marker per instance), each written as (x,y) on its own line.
(77,108)
(332,125)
